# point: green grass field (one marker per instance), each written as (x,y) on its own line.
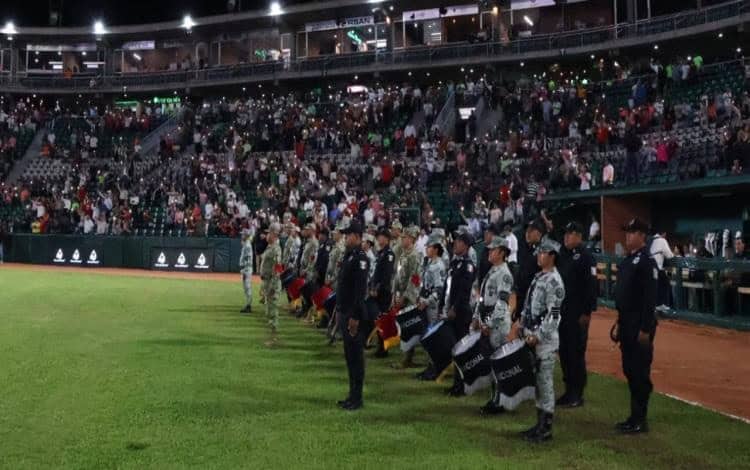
(122,372)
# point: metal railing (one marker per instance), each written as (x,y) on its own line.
(708,290)
(423,55)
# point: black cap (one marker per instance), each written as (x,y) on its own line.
(574,227)
(495,229)
(466,238)
(636,225)
(353,227)
(536,224)
(384,232)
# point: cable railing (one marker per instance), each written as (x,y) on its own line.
(421,55)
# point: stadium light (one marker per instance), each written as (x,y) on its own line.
(275,9)
(187,22)
(528,20)
(99,28)
(9,29)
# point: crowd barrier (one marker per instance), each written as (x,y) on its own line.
(157,253)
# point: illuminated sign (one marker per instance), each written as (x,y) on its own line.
(166,100)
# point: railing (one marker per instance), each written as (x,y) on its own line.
(705,290)
(151,141)
(556,43)
(446,119)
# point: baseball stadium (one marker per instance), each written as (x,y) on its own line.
(372,234)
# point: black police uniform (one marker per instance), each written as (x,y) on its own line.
(382,279)
(321,261)
(462,273)
(578,271)
(635,300)
(527,269)
(351,293)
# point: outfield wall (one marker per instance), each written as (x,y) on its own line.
(157,253)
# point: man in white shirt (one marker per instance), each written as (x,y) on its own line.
(660,251)
(512,240)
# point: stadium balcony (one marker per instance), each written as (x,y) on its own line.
(551,46)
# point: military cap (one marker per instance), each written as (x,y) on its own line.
(498,242)
(412,231)
(548,246)
(573,227)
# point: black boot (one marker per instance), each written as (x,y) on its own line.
(247,309)
(532,430)
(544,431)
(491,409)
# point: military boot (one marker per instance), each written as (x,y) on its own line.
(532,430)
(544,431)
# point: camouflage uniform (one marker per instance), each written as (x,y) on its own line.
(246,268)
(334,263)
(291,248)
(307,263)
(540,317)
(408,281)
(271,284)
(492,309)
(433,279)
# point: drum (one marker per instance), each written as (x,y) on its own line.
(287,277)
(472,358)
(295,288)
(320,296)
(513,371)
(438,341)
(388,329)
(411,324)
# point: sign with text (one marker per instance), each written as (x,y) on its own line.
(76,257)
(182,259)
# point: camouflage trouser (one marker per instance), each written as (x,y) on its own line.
(247,285)
(270,290)
(545,383)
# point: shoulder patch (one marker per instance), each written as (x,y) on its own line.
(560,293)
(390,258)
(470,268)
(593,270)
(507,278)
(656,274)
(363,264)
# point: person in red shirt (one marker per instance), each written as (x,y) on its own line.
(602,136)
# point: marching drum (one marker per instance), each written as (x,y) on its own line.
(438,341)
(287,277)
(472,357)
(513,371)
(295,288)
(320,296)
(411,324)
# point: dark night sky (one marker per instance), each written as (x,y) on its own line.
(118,12)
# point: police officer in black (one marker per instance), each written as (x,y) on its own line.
(351,293)
(457,309)
(324,251)
(527,263)
(635,301)
(381,284)
(578,271)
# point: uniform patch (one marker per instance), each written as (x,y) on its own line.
(470,268)
(363,265)
(507,279)
(656,274)
(576,256)
(637,259)
(390,258)
(593,270)
(560,293)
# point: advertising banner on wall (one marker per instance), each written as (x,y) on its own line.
(182,259)
(82,257)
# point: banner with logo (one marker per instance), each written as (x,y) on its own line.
(182,259)
(76,256)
